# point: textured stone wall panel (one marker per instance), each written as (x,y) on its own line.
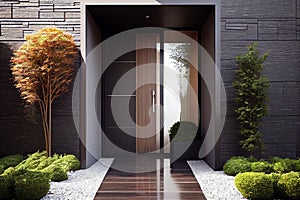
(278,31)
(36,14)
(298,8)
(239,29)
(5,12)
(270,9)
(298,28)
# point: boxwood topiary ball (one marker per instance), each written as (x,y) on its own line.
(236,165)
(255,185)
(289,185)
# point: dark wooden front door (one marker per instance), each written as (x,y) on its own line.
(146,93)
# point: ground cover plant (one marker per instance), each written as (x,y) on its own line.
(275,178)
(29,177)
(240,164)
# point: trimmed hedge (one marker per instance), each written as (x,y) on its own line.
(23,184)
(39,161)
(289,185)
(56,173)
(1,169)
(241,164)
(255,185)
(284,165)
(236,165)
(31,185)
(262,166)
(29,179)
(33,160)
(47,162)
(11,161)
(297,165)
(6,187)
(72,162)
(68,163)
(258,185)
(275,178)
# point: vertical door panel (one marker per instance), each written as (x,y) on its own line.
(119,106)
(146,94)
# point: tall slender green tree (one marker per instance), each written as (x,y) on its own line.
(251,97)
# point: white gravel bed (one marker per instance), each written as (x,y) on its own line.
(82,184)
(214,184)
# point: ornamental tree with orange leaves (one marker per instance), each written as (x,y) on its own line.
(43,69)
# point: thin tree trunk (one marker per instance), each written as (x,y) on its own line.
(50,117)
(50,128)
(43,113)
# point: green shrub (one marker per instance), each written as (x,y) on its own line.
(30,178)
(7,179)
(1,169)
(275,159)
(31,185)
(297,165)
(47,162)
(275,178)
(11,160)
(73,162)
(236,165)
(254,185)
(68,163)
(56,173)
(261,166)
(252,159)
(33,160)
(10,171)
(6,187)
(184,131)
(251,97)
(284,166)
(289,185)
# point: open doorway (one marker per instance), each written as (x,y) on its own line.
(104,21)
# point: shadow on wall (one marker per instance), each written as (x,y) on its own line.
(23,134)
(18,135)
(65,138)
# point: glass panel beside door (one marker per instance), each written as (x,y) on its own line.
(165,76)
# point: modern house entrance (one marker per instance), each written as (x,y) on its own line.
(142,92)
(158,88)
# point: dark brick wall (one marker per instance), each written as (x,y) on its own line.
(18,135)
(275,25)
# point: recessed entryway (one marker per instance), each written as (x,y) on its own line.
(105,21)
(144,102)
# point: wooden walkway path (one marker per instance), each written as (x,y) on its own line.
(159,184)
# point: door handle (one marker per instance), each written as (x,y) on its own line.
(153,100)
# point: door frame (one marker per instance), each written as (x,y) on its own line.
(88,125)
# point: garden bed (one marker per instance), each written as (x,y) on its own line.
(214,184)
(82,184)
